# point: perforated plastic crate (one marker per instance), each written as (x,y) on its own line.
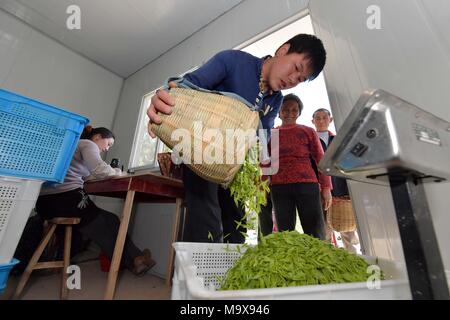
(17,199)
(36,140)
(200,266)
(5,269)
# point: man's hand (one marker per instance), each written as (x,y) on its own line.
(326,198)
(161,102)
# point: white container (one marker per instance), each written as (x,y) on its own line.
(17,199)
(199,266)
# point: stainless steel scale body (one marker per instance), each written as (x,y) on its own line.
(386,140)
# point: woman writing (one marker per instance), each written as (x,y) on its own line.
(69,199)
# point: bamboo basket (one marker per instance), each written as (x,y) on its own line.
(340,216)
(214,111)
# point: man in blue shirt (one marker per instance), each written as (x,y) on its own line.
(211,211)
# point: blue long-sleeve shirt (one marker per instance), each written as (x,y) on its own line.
(237,72)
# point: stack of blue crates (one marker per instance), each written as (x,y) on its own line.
(37,141)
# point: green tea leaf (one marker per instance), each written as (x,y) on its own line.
(247,188)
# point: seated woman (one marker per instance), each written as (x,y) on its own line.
(296,184)
(69,199)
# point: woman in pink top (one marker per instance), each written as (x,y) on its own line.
(296,185)
(69,199)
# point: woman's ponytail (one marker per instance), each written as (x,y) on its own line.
(89,132)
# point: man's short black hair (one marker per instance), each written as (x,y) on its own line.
(295,98)
(312,47)
(322,110)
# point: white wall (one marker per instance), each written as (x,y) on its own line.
(409,57)
(34,65)
(244,22)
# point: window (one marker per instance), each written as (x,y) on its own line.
(145,149)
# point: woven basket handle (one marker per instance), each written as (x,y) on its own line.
(186,84)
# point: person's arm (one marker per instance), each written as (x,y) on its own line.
(207,77)
(324,180)
(98,168)
(213,72)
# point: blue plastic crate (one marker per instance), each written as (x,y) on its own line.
(5,269)
(36,140)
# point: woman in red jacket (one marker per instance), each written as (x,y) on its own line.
(296,185)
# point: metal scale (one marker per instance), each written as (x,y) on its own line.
(386,140)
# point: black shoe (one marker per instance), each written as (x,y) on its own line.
(143,263)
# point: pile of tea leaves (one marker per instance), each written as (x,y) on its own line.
(288,258)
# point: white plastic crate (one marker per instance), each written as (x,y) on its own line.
(199,266)
(17,199)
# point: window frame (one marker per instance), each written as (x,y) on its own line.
(154,165)
(160,146)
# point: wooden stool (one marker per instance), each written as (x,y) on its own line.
(34,264)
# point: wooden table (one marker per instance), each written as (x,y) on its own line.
(138,187)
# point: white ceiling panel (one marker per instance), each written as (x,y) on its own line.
(120,35)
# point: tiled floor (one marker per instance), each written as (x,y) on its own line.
(93,283)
